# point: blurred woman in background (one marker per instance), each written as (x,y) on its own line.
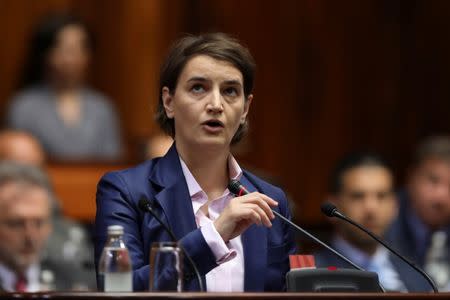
(72,121)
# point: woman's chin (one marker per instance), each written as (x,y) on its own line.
(217,143)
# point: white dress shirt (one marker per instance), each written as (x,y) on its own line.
(8,278)
(379,263)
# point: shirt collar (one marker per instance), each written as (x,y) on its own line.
(8,278)
(194,188)
(359,257)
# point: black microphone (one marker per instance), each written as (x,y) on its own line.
(331,210)
(235,187)
(146,206)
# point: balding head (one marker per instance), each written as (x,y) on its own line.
(21,147)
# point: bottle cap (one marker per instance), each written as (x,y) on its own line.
(115,230)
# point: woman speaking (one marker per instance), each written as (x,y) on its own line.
(237,244)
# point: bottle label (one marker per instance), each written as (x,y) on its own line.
(118,282)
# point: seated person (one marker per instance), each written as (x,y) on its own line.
(362,188)
(69,243)
(25,226)
(71,120)
(20,146)
(422,229)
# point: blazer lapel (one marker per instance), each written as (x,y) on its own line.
(173,198)
(254,242)
(173,194)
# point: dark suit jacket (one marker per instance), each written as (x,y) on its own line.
(68,276)
(401,237)
(80,264)
(413,281)
(64,277)
(162,182)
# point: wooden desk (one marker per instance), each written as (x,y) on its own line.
(224,296)
(75,186)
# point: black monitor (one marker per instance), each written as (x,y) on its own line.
(325,280)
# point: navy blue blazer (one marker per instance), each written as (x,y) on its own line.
(161,181)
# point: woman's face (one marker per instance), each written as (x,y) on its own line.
(208,103)
(69,57)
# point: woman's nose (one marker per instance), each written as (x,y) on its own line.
(215,102)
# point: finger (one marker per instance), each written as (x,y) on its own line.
(261,213)
(253,216)
(269,200)
(263,204)
(260,199)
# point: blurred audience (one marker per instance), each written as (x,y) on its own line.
(25,226)
(158,145)
(21,146)
(71,120)
(362,187)
(69,244)
(422,229)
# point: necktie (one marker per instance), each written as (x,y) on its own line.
(21,283)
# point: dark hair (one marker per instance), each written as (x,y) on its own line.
(354,160)
(433,147)
(42,40)
(216,45)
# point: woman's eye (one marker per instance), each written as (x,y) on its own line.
(231,91)
(197,88)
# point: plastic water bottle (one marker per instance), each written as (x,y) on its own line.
(115,264)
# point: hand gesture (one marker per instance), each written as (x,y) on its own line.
(241,212)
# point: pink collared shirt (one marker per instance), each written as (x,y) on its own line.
(228,276)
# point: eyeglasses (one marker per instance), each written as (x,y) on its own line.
(18,224)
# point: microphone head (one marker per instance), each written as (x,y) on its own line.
(234,186)
(328,209)
(144,204)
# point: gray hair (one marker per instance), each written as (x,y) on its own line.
(13,172)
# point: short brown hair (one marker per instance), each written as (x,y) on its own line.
(216,45)
(433,147)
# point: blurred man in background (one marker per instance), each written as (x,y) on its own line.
(422,229)
(362,187)
(68,245)
(22,147)
(25,225)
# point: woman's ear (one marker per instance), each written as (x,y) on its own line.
(247,103)
(167,99)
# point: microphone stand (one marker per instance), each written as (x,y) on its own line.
(238,189)
(145,205)
(331,211)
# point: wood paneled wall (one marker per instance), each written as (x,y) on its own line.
(333,76)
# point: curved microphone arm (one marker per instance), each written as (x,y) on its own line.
(331,210)
(238,189)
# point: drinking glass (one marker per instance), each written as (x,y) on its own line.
(166,261)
